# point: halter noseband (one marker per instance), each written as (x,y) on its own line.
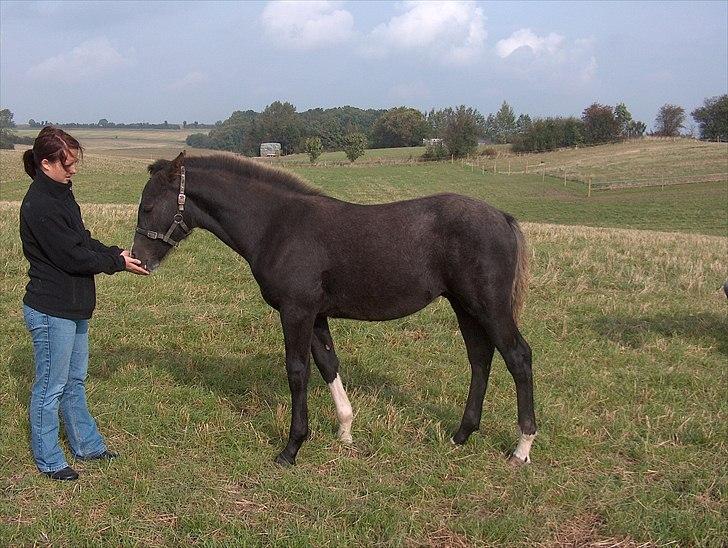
(177,220)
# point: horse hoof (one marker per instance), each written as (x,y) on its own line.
(346,439)
(284,461)
(458,439)
(516,462)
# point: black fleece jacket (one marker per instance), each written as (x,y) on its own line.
(62,254)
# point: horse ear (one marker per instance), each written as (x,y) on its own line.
(174,167)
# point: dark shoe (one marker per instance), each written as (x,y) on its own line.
(67,474)
(106,455)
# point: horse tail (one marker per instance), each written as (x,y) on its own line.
(522,274)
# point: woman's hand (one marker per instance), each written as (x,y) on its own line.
(133,265)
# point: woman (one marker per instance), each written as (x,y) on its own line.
(59,301)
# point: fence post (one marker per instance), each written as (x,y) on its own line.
(452,158)
(543,174)
(590,184)
(494,164)
(564,176)
(509,166)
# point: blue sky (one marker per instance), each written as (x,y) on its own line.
(175,61)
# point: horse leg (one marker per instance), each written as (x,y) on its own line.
(297,331)
(480,355)
(324,355)
(516,353)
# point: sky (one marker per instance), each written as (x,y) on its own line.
(130,61)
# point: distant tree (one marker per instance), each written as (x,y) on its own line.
(490,129)
(198,140)
(464,126)
(505,123)
(8,137)
(669,120)
(354,145)
(548,134)
(623,118)
(600,125)
(279,123)
(636,129)
(712,118)
(437,121)
(399,127)
(33,123)
(6,119)
(523,123)
(573,130)
(314,148)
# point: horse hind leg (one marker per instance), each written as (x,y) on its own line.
(480,355)
(324,355)
(517,354)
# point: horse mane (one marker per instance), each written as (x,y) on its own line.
(249,169)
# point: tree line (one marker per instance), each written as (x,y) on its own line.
(104,123)
(451,131)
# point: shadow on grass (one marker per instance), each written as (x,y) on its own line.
(257,377)
(635,331)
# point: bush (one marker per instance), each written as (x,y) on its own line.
(314,148)
(435,152)
(549,134)
(199,140)
(354,145)
(6,141)
(489,152)
(712,118)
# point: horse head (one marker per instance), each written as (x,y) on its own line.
(160,220)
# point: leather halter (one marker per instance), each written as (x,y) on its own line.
(177,220)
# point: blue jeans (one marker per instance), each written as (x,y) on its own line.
(60,348)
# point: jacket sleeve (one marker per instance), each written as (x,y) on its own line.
(66,248)
(102,248)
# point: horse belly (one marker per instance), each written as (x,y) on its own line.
(378,297)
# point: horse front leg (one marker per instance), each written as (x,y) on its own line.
(297,331)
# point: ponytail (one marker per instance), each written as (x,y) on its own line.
(51,144)
(29,163)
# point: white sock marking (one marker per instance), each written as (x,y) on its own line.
(524,447)
(343,409)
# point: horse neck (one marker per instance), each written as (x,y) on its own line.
(236,210)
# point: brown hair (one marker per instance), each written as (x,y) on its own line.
(52,144)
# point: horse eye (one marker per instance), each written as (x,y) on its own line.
(147,208)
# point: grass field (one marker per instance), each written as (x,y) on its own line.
(630,339)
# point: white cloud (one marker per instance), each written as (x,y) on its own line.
(550,57)
(87,60)
(453,31)
(525,38)
(306,25)
(189,80)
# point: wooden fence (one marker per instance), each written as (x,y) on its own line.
(504,166)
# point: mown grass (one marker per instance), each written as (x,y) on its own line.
(187,382)
(633,160)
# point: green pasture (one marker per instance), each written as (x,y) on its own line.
(696,207)
(187,381)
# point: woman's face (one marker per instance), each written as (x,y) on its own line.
(62,172)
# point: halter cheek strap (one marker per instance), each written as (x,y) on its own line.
(177,220)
